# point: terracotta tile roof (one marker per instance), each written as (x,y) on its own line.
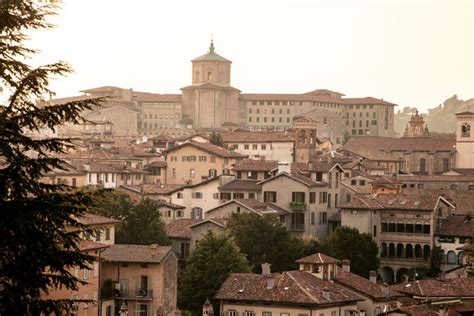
(158,163)
(180,228)
(221,222)
(151,189)
(102,89)
(407,178)
(161,137)
(86,245)
(241,185)
(366,100)
(371,154)
(95,220)
(274,97)
(364,286)
(456,225)
(210,148)
(255,165)
(465,171)
(255,137)
(260,207)
(297,177)
(389,144)
(71,99)
(135,253)
(463,201)
(465,113)
(416,310)
(156,97)
(291,287)
(171,205)
(318,258)
(457,287)
(210,86)
(393,201)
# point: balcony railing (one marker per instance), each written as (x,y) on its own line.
(297,206)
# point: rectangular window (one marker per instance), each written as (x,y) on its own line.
(249,313)
(231,312)
(298,197)
(196,213)
(192,173)
(196,195)
(353,182)
(107,233)
(312,218)
(270,196)
(173,173)
(264,147)
(312,197)
(213,159)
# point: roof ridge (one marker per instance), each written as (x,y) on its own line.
(301,287)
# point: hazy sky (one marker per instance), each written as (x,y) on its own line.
(415,53)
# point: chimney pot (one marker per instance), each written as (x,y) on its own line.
(153,250)
(373,276)
(346,265)
(266,268)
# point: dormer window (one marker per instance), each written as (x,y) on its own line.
(466,130)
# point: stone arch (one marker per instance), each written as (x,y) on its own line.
(401,274)
(400,251)
(418,251)
(451,257)
(387,274)
(391,250)
(426,252)
(409,251)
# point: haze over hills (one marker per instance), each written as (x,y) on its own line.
(439,119)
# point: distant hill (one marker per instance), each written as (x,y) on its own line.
(440,119)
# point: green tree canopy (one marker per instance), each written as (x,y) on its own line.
(216,139)
(264,239)
(210,263)
(39,243)
(348,243)
(141,223)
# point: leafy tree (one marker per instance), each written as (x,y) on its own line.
(436,259)
(216,139)
(360,249)
(345,138)
(39,243)
(265,239)
(210,263)
(140,222)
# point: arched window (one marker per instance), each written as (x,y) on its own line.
(391,250)
(383,253)
(451,256)
(400,253)
(426,252)
(418,253)
(409,251)
(209,75)
(466,130)
(460,257)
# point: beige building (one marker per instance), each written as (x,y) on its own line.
(304,292)
(193,162)
(261,145)
(143,279)
(211,102)
(304,198)
(403,226)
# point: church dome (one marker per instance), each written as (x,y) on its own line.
(211,55)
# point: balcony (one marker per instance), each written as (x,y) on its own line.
(297,206)
(114,290)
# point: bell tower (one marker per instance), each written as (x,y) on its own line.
(305,139)
(465,140)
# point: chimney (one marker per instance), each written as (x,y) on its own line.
(373,276)
(346,265)
(442,311)
(153,250)
(266,268)
(284,166)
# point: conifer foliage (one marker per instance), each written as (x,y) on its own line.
(39,231)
